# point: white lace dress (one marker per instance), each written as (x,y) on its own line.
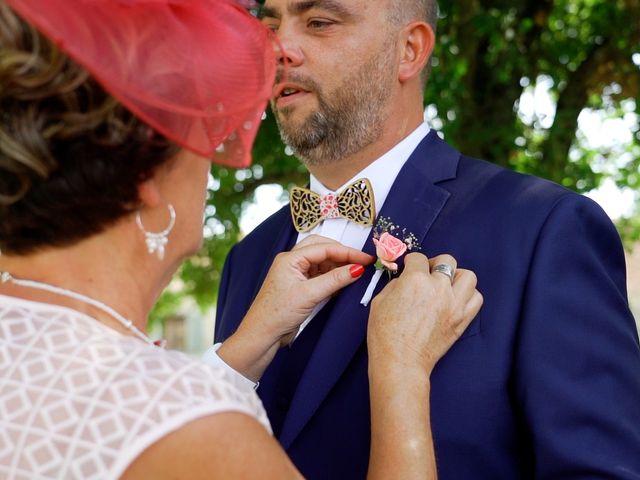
(80,401)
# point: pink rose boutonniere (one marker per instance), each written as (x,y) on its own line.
(391,243)
(389,249)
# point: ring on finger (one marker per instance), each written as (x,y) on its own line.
(445,269)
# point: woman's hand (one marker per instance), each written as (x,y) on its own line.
(418,316)
(297,281)
(412,324)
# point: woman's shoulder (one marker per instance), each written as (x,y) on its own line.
(160,391)
(172,377)
(86,390)
(116,368)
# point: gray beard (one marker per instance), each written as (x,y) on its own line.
(351,121)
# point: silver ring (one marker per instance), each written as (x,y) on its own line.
(445,269)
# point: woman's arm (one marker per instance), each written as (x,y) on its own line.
(413,322)
(297,281)
(222,446)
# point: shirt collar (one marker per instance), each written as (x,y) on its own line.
(383,171)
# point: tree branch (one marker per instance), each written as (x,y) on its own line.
(572,101)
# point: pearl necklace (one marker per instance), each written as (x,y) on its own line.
(6,277)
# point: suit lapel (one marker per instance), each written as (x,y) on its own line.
(413,203)
(284,239)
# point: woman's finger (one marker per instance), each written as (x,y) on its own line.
(416,262)
(473,307)
(315,240)
(313,271)
(324,286)
(464,284)
(324,251)
(327,266)
(441,265)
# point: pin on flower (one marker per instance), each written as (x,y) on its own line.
(391,243)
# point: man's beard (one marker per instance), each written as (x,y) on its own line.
(346,123)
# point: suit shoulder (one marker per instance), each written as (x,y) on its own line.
(505,195)
(507,184)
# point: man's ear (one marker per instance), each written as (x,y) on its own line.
(418,42)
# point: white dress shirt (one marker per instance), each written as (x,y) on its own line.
(381,174)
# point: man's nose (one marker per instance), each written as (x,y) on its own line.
(288,52)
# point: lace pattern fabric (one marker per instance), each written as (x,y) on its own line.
(80,401)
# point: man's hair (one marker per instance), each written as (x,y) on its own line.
(71,157)
(403,11)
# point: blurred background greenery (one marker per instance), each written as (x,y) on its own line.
(546,87)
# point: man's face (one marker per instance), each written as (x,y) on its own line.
(341,67)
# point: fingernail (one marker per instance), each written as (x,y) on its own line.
(356,271)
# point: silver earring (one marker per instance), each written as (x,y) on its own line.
(156,242)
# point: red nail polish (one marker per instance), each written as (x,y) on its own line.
(356,271)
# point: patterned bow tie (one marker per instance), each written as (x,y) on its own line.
(354,203)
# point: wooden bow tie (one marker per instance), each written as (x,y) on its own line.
(355,203)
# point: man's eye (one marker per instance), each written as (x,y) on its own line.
(319,24)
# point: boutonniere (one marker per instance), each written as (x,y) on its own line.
(391,243)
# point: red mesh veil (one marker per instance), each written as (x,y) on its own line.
(198,71)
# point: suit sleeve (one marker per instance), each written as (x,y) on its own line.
(218,335)
(577,370)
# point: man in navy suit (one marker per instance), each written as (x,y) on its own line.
(545,382)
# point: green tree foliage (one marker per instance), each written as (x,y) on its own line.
(489,52)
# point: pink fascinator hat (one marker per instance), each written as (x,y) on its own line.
(200,72)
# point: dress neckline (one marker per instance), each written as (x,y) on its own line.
(92,322)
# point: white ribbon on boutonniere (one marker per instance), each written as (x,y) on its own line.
(391,242)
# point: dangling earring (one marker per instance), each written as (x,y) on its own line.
(156,242)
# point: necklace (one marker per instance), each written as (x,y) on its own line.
(6,277)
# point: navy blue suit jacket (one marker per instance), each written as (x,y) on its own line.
(544,383)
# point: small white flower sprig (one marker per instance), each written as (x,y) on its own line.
(391,243)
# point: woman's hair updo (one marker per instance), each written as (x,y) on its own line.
(71,157)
